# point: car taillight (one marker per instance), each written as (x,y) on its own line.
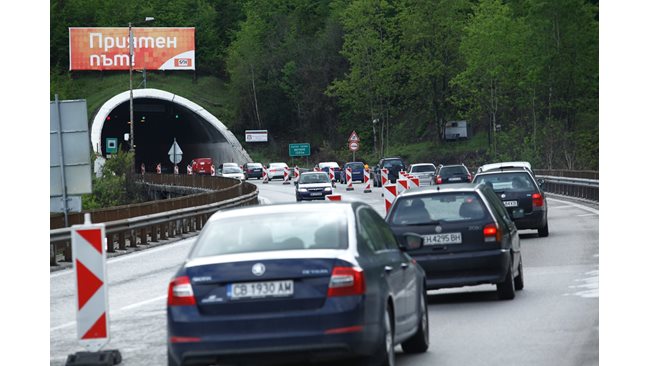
(538,200)
(346,281)
(469,177)
(438,179)
(180,292)
(491,233)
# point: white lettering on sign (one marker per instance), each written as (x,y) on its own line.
(107,43)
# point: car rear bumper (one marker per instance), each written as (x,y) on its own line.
(308,196)
(533,220)
(464,269)
(334,331)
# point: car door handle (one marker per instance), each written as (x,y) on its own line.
(404,265)
(388,268)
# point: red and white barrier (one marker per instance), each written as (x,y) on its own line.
(158,169)
(176,169)
(348,179)
(333,197)
(296,173)
(213,172)
(366,181)
(390,192)
(265,175)
(89,262)
(402,185)
(142,169)
(189,169)
(332,177)
(384,176)
(414,182)
(286,175)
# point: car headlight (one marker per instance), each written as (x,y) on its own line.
(328,189)
(304,190)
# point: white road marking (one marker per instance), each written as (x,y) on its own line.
(589,209)
(558,207)
(589,214)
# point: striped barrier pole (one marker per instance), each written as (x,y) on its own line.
(333,197)
(390,192)
(286,175)
(366,180)
(265,175)
(348,179)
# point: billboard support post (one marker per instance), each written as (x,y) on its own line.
(63,182)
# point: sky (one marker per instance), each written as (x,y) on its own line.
(624,137)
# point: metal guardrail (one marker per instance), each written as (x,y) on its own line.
(150,228)
(573,187)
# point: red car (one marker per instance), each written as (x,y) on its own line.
(202,166)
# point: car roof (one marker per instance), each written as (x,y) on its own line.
(294,207)
(444,188)
(506,170)
(504,165)
(309,172)
(420,164)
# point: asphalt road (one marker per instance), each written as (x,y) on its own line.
(553,321)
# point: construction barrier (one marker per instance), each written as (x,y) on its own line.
(348,179)
(189,169)
(296,173)
(384,176)
(414,182)
(213,172)
(176,169)
(158,169)
(142,170)
(333,197)
(390,192)
(286,175)
(332,177)
(366,181)
(265,175)
(402,185)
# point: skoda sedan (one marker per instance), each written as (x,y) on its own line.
(313,186)
(297,283)
(469,239)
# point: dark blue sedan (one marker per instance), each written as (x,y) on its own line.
(300,283)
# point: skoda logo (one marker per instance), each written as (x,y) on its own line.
(438,229)
(258,269)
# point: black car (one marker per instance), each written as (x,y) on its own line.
(299,283)
(253,170)
(394,166)
(469,239)
(313,186)
(457,173)
(521,194)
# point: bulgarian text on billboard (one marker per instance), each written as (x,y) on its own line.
(153,48)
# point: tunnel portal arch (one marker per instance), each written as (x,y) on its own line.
(198,132)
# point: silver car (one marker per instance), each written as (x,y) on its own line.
(426,172)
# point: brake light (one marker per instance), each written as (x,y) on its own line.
(438,179)
(469,177)
(491,233)
(538,200)
(346,281)
(180,292)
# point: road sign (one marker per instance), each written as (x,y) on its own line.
(354,137)
(299,149)
(354,146)
(175,153)
(111,145)
(89,261)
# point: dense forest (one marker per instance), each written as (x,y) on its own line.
(524,72)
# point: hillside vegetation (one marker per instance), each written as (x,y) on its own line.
(524,73)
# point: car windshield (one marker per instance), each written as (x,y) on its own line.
(273,232)
(355,166)
(314,178)
(277,165)
(388,164)
(507,182)
(452,171)
(254,165)
(423,168)
(231,170)
(429,209)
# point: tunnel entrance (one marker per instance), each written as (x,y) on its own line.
(160,117)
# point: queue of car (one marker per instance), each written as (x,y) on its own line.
(330,281)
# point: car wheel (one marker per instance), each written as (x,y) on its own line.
(419,342)
(298,199)
(543,232)
(519,280)
(506,289)
(385,355)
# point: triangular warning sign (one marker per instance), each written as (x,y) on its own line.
(98,330)
(87,284)
(353,137)
(92,236)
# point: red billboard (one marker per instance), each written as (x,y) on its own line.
(153,48)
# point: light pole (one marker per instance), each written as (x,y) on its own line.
(132,136)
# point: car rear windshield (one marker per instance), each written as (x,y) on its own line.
(507,182)
(429,209)
(388,164)
(452,171)
(277,165)
(272,232)
(231,170)
(423,168)
(355,166)
(314,178)
(254,165)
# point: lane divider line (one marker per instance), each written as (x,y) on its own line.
(588,209)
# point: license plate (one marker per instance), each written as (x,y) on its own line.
(454,179)
(510,203)
(442,239)
(251,290)
(316,194)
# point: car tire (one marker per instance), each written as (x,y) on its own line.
(385,355)
(419,342)
(543,231)
(519,280)
(506,289)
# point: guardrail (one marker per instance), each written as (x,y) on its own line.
(129,231)
(574,187)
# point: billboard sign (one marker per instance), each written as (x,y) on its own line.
(257,136)
(153,48)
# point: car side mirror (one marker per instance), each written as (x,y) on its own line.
(412,241)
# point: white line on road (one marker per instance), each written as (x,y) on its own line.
(567,206)
(589,214)
(589,209)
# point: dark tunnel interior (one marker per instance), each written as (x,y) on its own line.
(157,123)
